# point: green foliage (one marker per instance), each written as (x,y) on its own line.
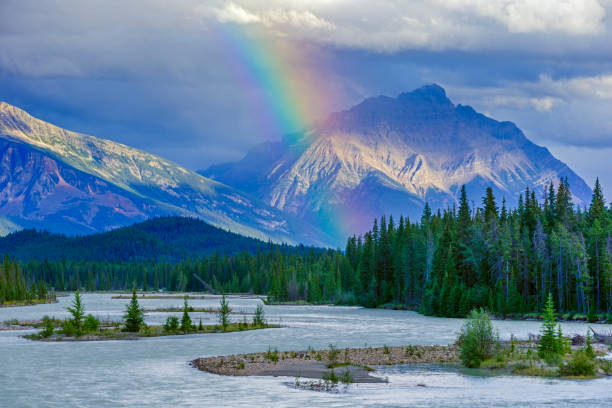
(259,319)
(91,324)
(186,320)
(134,314)
(332,354)
(588,346)
(579,365)
(477,339)
(78,312)
(200,327)
(448,263)
(331,377)
(47,330)
(68,328)
(550,343)
(346,377)
(272,355)
(224,312)
(171,325)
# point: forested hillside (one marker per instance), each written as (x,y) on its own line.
(160,239)
(447,263)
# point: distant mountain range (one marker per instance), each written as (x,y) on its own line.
(383,156)
(62,181)
(391,156)
(169,239)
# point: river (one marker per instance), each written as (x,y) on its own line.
(154,372)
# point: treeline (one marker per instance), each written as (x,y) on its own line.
(13,287)
(447,263)
(506,261)
(300,273)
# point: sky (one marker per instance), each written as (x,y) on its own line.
(200,82)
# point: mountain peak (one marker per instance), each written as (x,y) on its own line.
(432,93)
(391,155)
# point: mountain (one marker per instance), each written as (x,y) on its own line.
(161,239)
(63,181)
(391,156)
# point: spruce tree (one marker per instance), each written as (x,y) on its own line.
(224,313)
(78,313)
(548,339)
(134,314)
(186,320)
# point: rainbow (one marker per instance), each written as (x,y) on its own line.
(284,93)
(279,79)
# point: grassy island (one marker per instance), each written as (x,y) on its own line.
(83,327)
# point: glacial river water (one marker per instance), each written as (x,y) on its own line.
(155,372)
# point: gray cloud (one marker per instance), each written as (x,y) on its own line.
(158,75)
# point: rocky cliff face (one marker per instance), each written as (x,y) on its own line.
(390,156)
(64,181)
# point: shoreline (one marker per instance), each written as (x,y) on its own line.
(28,303)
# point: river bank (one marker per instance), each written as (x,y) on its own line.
(31,302)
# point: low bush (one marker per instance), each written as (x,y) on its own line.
(478,339)
(346,377)
(331,377)
(172,324)
(91,324)
(333,354)
(579,366)
(47,330)
(68,328)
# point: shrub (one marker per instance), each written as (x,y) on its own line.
(272,355)
(68,328)
(333,354)
(47,331)
(579,365)
(172,324)
(346,377)
(588,347)
(259,317)
(331,377)
(91,324)
(477,339)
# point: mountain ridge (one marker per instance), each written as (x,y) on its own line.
(77,176)
(392,155)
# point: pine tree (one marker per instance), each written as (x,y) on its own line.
(186,320)
(134,314)
(548,339)
(224,313)
(78,313)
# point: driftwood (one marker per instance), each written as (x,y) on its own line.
(578,340)
(206,285)
(605,338)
